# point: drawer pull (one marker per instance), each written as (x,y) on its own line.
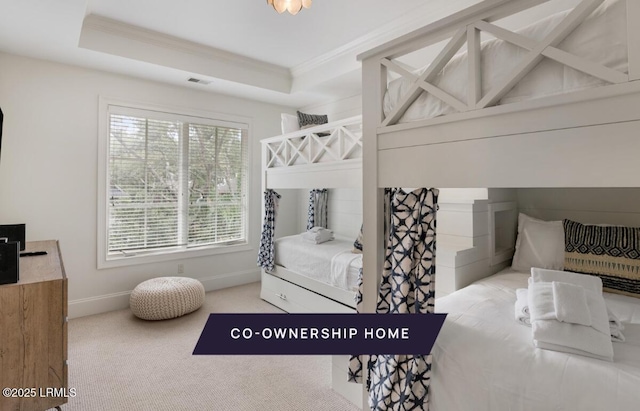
(282,296)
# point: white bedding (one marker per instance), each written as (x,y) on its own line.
(485,360)
(601,38)
(317,260)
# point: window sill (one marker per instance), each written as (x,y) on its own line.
(147,258)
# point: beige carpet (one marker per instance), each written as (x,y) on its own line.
(118,362)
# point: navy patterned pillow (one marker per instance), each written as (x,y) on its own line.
(311,120)
(609,252)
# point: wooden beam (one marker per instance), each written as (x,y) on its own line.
(374,78)
(559,33)
(325,149)
(393,66)
(277,154)
(444,96)
(396,64)
(318,143)
(357,140)
(474,89)
(586,66)
(297,151)
(434,68)
(506,35)
(439,30)
(428,87)
(345,155)
(265,149)
(568,59)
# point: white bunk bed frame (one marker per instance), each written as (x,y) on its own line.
(302,159)
(298,160)
(586,138)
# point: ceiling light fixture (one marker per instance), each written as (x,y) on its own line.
(292,6)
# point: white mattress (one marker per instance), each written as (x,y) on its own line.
(601,38)
(485,360)
(315,260)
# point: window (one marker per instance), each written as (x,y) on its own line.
(173,183)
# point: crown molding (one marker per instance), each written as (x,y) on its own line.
(414,20)
(114,37)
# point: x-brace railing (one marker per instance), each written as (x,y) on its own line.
(470,34)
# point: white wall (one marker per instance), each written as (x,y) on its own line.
(617,206)
(344,211)
(48,172)
(337,110)
(345,205)
(290,212)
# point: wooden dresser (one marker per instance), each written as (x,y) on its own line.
(33,332)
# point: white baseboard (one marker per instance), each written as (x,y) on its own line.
(117,301)
(231,280)
(99,304)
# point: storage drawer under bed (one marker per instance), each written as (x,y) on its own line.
(295,299)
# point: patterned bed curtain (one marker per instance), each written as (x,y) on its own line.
(401,382)
(266,255)
(317,208)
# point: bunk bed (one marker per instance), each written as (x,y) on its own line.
(306,278)
(517,128)
(327,156)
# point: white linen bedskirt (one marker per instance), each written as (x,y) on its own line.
(485,360)
(314,260)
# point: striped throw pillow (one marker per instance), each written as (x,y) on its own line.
(609,252)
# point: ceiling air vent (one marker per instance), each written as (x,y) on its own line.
(197,80)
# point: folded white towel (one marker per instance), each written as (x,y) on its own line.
(523,316)
(615,327)
(522,307)
(549,333)
(320,235)
(573,338)
(541,305)
(590,282)
(570,303)
(317,229)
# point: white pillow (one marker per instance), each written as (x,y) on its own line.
(539,244)
(289,123)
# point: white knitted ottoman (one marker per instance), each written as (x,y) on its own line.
(166,297)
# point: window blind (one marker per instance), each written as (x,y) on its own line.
(174,183)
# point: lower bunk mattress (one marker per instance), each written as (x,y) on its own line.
(484,359)
(331,262)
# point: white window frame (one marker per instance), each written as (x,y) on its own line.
(109,261)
